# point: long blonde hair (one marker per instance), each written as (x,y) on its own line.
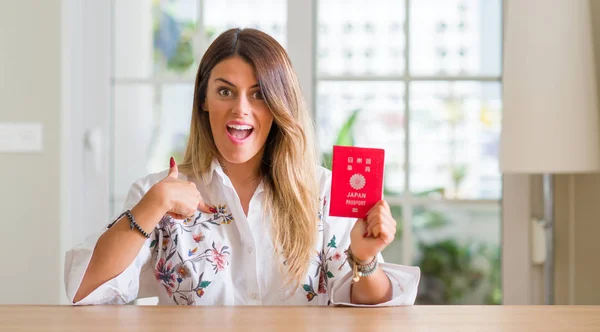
(289,165)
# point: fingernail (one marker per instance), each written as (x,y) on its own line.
(366,233)
(172,162)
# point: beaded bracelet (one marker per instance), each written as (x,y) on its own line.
(358,269)
(132,223)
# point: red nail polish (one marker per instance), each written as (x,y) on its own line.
(366,233)
(172,162)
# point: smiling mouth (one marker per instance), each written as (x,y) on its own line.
(239,132)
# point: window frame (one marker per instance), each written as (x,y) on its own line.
(406,200)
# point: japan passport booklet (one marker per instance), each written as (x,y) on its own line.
(357,180)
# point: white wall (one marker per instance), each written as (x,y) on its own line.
(29,190)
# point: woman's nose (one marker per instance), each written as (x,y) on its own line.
(242,106)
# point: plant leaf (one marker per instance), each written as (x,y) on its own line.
(332,242)
(170,255)
(345,136)
(327,160)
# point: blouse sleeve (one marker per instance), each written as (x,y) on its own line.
(134,281)
(336,237)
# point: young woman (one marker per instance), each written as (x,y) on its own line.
(244,219)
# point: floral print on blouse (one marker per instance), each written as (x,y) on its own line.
(227,258)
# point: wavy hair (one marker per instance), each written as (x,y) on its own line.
(289,165)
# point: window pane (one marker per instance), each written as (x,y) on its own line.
(455,37)
(269,16)
(161,38)
(155,38)
(458,251)
(357,37)
(379,122)
(132,104)
(393,252)
(454,139)
(162,123)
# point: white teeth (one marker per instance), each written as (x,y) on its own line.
(239,127)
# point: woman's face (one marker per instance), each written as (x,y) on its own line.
(239,117)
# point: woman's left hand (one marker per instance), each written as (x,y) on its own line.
(371,235)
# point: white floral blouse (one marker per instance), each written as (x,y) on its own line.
(226,258)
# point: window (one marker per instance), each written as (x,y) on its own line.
(421,78)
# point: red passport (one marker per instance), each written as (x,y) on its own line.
(357,180)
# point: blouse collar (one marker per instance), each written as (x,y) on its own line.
(217,170)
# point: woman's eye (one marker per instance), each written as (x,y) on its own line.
(258,95)
(224,92)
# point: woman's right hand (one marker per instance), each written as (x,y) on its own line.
(179,199)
